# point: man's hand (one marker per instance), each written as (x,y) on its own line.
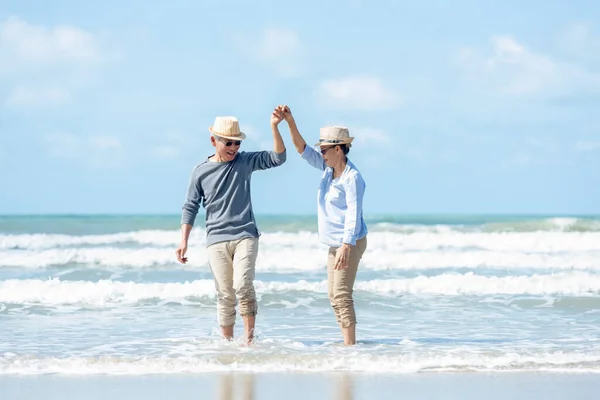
(277,116)
(287,113)
(181,250)
(342,256)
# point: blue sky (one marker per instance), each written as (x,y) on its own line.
(457,107)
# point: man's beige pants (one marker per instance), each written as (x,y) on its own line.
(233,267)
(341,283)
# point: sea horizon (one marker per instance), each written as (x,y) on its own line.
(307,214)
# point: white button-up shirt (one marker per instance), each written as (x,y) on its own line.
(340,202)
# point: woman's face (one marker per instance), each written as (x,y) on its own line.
(331,154)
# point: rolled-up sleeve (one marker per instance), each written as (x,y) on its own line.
(259,160)
(192,200)
(314,158)
(354,186)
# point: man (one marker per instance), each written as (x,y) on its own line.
(222,183)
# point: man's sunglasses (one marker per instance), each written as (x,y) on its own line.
(228,143)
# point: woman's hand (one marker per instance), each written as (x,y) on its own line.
(342,256)
(287,113)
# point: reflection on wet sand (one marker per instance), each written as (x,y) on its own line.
(240,386)
(344,387)
(235,383)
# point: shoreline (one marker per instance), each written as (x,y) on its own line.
(303,385)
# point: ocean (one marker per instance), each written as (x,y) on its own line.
(89,295)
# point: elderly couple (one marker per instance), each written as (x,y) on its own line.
(222,184)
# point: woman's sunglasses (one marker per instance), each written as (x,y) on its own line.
(326,149)
(228,143)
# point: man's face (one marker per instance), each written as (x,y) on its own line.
(226,149)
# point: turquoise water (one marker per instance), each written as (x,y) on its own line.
(105,295)
(102,224)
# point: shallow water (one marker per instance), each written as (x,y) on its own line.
(105,295)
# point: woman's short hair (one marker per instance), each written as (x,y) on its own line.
(345,148)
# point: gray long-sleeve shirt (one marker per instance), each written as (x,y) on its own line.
(224,190)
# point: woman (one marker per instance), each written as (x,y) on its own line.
(340,216)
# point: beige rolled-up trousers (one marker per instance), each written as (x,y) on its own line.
(233,267)
(341,283)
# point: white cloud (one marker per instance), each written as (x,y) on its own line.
(369,136)
(47,65)
(521,158)
(261,139)
(22,42)
(363,93)
(578,39)
(537,150)
(544,143)
(251,132)
(280,49)
(30,96)
(365,140)
(172,144)
(94,150)
(375,147)
(510,68)
(587,145)
(104,143)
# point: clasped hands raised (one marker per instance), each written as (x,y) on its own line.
(280,113)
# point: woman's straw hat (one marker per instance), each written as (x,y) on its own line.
(334,135)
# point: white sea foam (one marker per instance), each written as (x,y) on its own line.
(541,242)
(557,224)
(47,241)
(531,242)
(380,256)
(301,358)
(57,292)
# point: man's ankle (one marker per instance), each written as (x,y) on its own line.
(227,332)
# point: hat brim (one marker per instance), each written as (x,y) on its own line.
(345,141)
(241,136)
